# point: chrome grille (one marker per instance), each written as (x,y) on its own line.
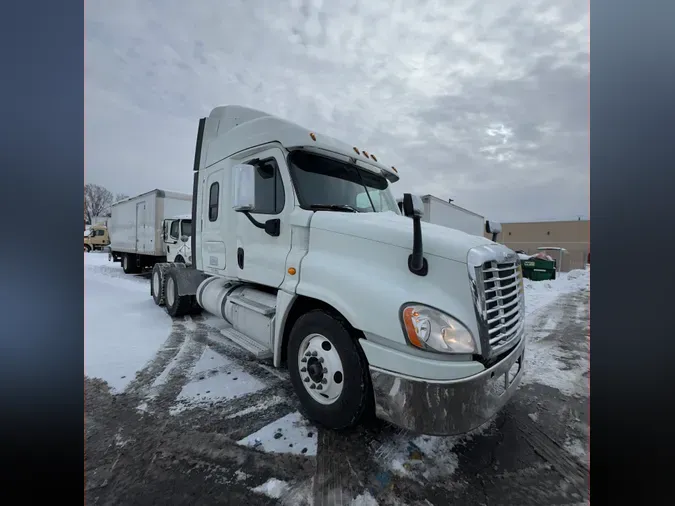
(498,294)
(504,308)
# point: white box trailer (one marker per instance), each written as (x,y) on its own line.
(136,227)
(445,213)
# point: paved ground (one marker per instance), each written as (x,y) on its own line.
(144,446)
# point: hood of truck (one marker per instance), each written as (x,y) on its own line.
(397,230)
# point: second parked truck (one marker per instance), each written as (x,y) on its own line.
(300,246)
(152,227)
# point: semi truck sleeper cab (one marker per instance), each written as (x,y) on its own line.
(300,246)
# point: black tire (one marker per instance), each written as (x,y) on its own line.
(158,277)
(355,403)
(179,260)
(87,248)
(179,305)
(129,263)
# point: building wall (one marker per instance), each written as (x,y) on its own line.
(574,236)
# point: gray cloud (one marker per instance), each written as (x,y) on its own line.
(482,101)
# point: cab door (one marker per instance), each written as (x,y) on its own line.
(170,233)
(261,258)
(213,221)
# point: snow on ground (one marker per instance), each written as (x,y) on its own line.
(541,293)
(546,362)
(288,494)
(123,328)
(425,458)
(577,448)
(272,488)
(289,434)
(260,406)
(364,499)
(215,378)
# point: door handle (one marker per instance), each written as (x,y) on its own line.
(240,257)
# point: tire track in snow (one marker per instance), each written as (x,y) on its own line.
(166,387)
(235,417)
(153,369)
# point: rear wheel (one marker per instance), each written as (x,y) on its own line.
(129,264)
(158,283)
(329,371)
(176,305)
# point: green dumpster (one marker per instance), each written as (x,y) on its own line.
(538,269)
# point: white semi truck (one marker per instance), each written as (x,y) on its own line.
(150,228)
(300,247)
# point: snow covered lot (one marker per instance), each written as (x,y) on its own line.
(178,414)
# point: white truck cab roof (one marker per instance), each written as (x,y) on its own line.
(247,128)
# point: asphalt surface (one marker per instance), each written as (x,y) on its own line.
(141,450)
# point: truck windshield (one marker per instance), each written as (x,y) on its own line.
(186,227)
(329,184)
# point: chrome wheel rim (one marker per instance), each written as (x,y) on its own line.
(321,369)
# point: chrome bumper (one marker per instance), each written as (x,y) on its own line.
(451,407)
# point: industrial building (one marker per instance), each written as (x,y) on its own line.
(574,236)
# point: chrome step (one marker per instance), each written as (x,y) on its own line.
(252,305)
(250,345)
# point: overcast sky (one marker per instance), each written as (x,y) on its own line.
(482,101)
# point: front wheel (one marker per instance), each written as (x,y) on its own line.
(329,371)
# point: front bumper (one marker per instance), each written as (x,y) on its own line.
(450,407)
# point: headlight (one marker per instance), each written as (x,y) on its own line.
(428,328)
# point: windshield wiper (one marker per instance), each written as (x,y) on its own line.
(333,207)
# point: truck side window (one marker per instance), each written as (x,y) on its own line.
(269,188)
(214,194)
(174,229)
(100,232)
(186,227)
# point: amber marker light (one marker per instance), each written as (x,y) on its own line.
(408,316)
